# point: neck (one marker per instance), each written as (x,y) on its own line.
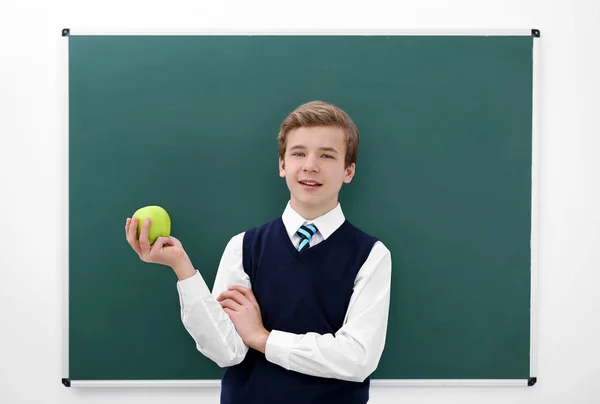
(312,212)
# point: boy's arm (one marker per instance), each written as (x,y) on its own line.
(204,318)
(354,351)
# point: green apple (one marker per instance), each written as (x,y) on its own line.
(160,222)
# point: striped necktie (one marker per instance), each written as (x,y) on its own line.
(306,232)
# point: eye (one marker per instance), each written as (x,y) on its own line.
(299,154)
(327,156)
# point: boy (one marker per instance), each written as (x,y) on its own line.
(299,308)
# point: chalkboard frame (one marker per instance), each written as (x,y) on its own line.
(67,32)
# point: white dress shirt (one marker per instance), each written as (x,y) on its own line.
(351,354)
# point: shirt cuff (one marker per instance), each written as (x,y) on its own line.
(192,289)
(278,348)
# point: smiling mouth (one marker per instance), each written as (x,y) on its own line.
(313,184)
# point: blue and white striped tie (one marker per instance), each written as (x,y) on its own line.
(306,233)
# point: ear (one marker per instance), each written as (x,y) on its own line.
(349,173)
(281,168)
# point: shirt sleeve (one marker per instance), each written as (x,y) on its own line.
(353,353)
(204,318)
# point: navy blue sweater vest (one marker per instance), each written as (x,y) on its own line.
(298,292)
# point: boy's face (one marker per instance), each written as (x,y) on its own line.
(314,168)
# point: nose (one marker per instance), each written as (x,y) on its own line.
(311,163)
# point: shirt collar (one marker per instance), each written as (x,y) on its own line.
(326,224)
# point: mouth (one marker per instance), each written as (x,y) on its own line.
(310,183)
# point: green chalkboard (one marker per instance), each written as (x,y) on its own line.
(189,122)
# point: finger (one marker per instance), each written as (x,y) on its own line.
(162,242)
(222,296)
(132,236)
(132,230)
(246,292)
(237,297)
(228,294)
(230,304)
(144,242)
(127,225)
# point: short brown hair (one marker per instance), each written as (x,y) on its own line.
(320,113)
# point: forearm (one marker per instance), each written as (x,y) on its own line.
(184,269)
(340,356)
(207,323)
(259,341)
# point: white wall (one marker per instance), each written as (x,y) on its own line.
(33,190)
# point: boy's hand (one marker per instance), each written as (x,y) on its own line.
(241,306)
(165,250)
